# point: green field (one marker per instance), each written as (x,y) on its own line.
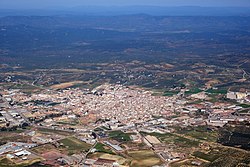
(102,148)
(170,138)
(217,91)
(207,157)
(193,91)
(120,136)
(244,105)
(201,133)
(170,93)
(74,146)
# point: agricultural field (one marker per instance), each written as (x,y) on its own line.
(180,141)
(119,159)
(191,162)
(217,91)
(146,158)
(200,133)
(193,91)
(224,156)
(25,87)
(244,105)
(235,135)
(7,163)
(52,131)
(103,148)
(120,136)
(74,146)
(170,93)
(44,148)
(13,137)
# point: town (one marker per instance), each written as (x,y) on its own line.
(124,83)
(115,125)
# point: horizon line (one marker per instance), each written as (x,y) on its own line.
(111,6)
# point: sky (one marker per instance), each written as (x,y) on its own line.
(40,4)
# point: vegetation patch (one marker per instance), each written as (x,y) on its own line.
(217,91)
(120,136)
(201,133)
(7,163)
(74,146)
(54,131)
(244,105)
(193,91)
(6,137)
(170,138)
(224,156)
(103,148)
(208,157)
(170,93)
(27,88)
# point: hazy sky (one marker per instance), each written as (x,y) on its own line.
(36,4)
